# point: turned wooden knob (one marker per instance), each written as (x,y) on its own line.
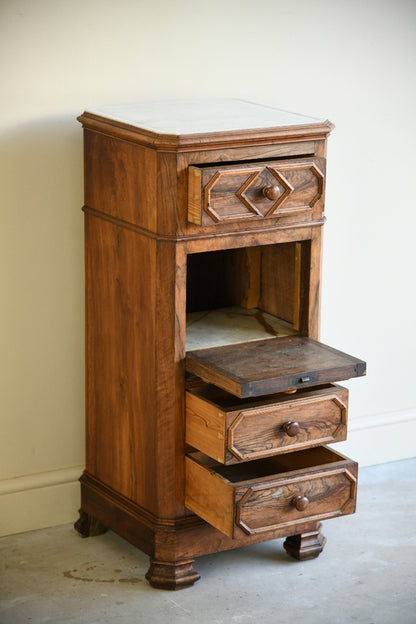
(300,502)
(291,428)
(272,192)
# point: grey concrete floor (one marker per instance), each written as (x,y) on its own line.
(366,574)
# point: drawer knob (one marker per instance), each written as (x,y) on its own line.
(272,192)
(291,428)
(300,502)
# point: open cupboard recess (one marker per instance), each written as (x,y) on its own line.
(247,293)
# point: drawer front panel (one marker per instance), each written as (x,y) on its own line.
(324,496)
(289,425)
(220,194)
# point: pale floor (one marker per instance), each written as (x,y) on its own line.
(366,574)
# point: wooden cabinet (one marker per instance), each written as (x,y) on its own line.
(209,400)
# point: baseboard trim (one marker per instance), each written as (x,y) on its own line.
(383,420)
(40,480)
(381,438)
(40,500)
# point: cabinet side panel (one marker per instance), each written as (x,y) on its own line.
(120,179)
(278,280)
(169,387)
(312,284)
(120,359)
(167,182)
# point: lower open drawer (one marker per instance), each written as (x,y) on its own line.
(271,493)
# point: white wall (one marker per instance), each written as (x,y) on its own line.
(350,61)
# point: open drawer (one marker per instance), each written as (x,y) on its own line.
(291,187)
(273,365)
(232,430)
(271,493)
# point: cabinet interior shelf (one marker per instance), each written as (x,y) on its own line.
(232,325)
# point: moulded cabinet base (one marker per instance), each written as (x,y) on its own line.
(174,545)
(172,575)
(305,545)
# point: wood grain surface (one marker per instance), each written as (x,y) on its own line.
(275,365)
(232,430)
(263,491)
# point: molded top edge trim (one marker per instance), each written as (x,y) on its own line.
(195,123)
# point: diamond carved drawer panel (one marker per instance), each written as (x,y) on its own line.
(255,191)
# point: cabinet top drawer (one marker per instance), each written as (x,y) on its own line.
(290,189)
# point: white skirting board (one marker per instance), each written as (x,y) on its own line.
(380,438)
(52,498)
(39,500)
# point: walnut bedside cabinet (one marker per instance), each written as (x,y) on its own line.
(209,400)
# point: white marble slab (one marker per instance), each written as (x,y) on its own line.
(181,117)
(214,328)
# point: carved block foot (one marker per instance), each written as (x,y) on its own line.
(306,545)
(88,526)
(171,575)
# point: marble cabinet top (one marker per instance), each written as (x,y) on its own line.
(181,117)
